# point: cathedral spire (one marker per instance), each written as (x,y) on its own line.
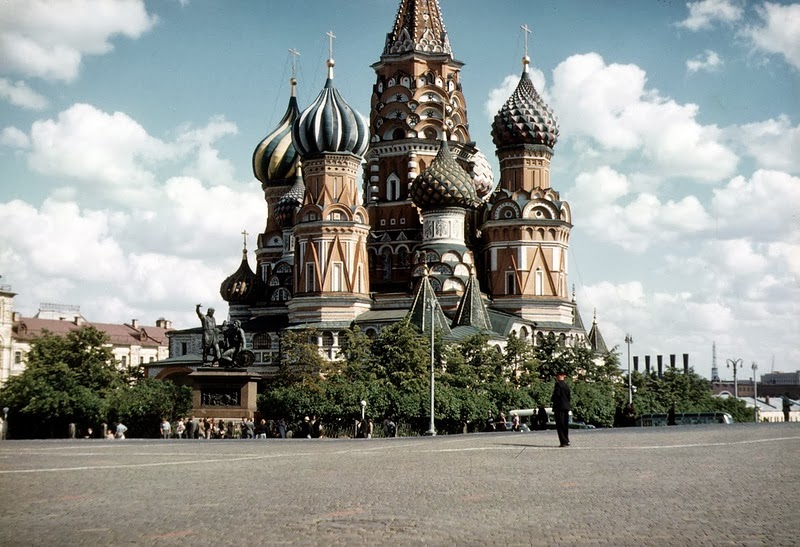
(418,28)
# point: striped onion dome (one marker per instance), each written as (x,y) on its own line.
(525,118)
(243,286)
(289,202)
(444,183)
(330,125)
(275,158)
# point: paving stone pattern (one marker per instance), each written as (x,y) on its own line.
(686,485)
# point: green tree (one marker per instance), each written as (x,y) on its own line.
(299,359)
(67,380)
(355,350)
(142,406)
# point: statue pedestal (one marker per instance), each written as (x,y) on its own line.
(228,393)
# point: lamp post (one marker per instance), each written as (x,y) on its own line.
(432,428)
(754,366)
(363,407)
(733,363)
(629,341)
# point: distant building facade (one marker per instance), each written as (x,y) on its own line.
(131,343)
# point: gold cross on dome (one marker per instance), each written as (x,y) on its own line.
(330,36)
(295,54)
(244,237)
(527,31)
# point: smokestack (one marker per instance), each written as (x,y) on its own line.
(686,363)
(647,364)
(636,363)
(135,323)
(672,360)
(660,360)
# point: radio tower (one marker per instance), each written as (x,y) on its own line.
(714,370)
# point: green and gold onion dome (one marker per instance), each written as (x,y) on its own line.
(243,286)
(525,118)
(444,183)
(275,158)
(289,202)
(329,125)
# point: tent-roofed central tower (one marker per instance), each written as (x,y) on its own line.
(416,101)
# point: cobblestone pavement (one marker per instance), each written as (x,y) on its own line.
(686,485)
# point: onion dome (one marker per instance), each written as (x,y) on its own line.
(329,125)
(444,183)
(289,202)
(243,286)
(525,118)
(275,158)
(482,175)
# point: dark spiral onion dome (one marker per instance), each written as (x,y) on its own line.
(275,157)
(288,203)
(330,125)
(525,119)
(444,183)
(243,286)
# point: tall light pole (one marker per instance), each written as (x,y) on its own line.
(733,363)
(754,366)
(432,429)
(629,341)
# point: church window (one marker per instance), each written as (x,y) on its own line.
(262,340)
(274,281)
(280,295)
(152,359)
(371,333)
(391,221)
(511,285)
(336,277)
(392,187)
(538,281)
(387,264)
(398,133)
(435,284)
(402,221)
(124,361)
(311,278)
(327,339)
(359,283)
(403,257)
(17,357)
(184,348)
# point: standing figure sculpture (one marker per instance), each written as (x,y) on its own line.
(210,338)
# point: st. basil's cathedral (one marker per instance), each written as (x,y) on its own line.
(428,234)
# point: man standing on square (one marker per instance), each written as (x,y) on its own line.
(561,400)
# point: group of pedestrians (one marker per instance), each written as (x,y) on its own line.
(219,428)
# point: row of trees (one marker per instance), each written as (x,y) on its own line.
(73,379)
(473,378)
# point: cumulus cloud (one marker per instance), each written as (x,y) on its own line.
(764,207)
(704,14)
(611,104)
(773,144)
(49,38)
(707,61)
(635,223)
(14,138)
(19,94)
(778,31)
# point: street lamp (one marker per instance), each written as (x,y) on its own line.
(432,428)
(629,341)
(733,363)
(754,366)
(363,406)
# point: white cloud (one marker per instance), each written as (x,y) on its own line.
(86,144)
(765,207)
(208,165)
(14,138)
(774,143)
(708,61)
(779,31)
(638,223)
(499,95)
(703,14)
(611,105)
(19,94)
(49,38)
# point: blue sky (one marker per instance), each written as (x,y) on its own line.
(127,130)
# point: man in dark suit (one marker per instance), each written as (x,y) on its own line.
(561,400)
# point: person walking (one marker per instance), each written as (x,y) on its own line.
(166,428)
(180,428)
(561,405)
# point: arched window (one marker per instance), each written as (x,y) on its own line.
(392,187)
(398,134)
(262,340)
(327,339)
